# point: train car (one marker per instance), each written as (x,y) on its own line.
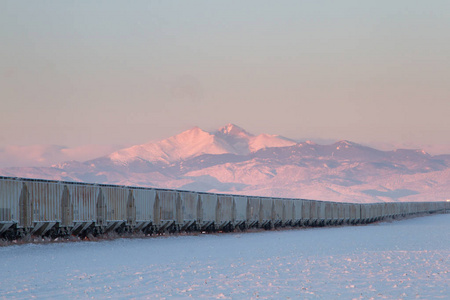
(372,212)
(288,216)
(329,218)
(314,215)
(320,212)
(187,210)
(115,201)
(85,203)
(144,203)
(225,213)
(278,212)
(165,211)
(297,214)
(46,202)
(253,208)
(58,208)
(307,218)
(346,209)
(240,204)
(265,212)
(352,211)
(338,213)
(15,207)
(364,218)
(208,204)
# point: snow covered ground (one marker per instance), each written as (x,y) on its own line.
(401,259)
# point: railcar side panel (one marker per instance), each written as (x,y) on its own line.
(116,203)
(307,216)
(165,210)
(10,191)
(225,211)
(240,203)
(278,210)
(45,197)
(297,214)
(144,200)
(208,208)
(265,211)
(288,216)
(253,208)
(189,202)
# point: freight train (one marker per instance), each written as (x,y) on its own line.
(58,208)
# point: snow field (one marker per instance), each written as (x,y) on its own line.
(406,259)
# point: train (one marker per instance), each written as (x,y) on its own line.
(53,208)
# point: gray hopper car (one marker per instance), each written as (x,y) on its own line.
(58,208)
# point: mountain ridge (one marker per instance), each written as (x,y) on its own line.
(232,160)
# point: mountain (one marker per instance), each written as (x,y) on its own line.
(232,160)
(230,139)
(244,143)
(187,144)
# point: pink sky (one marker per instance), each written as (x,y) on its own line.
(90,76)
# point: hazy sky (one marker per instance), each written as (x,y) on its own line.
(77,73)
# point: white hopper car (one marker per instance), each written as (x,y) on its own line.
(58,208)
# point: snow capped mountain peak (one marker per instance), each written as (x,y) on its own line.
(345,143)
(234,130)
(244,143)
(423,152)
(269,141)
(230,139)
(190,143)
(195,135)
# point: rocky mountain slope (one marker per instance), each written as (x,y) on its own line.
(232,160)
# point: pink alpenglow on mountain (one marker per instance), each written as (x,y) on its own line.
(191,143)
(244,143)
(229,139)
(232,160)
